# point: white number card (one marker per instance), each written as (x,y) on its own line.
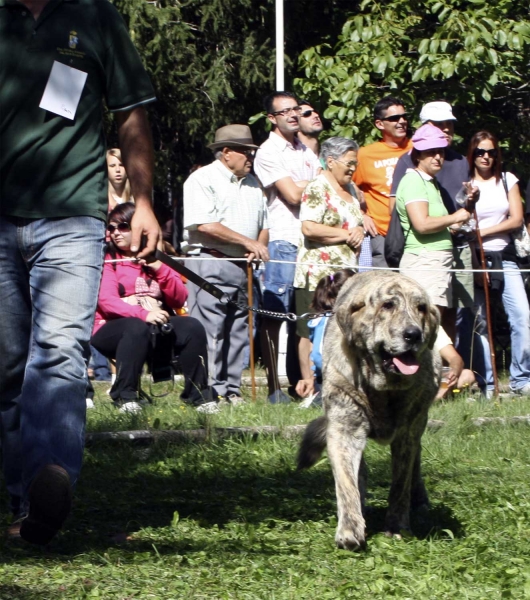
(63,90)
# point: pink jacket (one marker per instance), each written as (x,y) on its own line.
(123,281)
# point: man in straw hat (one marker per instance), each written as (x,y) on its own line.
(225,216)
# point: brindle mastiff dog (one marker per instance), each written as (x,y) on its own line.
(380,376)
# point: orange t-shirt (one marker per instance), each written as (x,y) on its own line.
(374,177)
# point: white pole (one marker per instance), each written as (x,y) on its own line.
(280,84)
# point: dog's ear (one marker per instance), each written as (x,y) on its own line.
(433,323)
(351,299)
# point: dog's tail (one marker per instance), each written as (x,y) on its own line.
(313,443)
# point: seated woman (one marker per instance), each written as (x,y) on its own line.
(428,253)
(133,297)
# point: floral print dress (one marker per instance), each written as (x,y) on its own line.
(321,204)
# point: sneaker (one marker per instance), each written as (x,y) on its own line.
(522,391)
(89,403)
(208,408)
(131,407)
(50,501)
(279,397)
(235,400)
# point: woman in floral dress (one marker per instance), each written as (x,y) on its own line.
(332,228)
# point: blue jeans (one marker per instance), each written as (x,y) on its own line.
(278,290)
(515,302)
(49,281)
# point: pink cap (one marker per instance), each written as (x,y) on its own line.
(428,137)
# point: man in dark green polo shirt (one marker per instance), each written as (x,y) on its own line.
(58,60)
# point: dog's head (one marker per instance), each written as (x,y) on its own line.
(387,322)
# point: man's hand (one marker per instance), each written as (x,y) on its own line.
(144,223)
(369,225)
(256,251)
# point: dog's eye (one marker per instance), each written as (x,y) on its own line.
(388,305)
(422,308)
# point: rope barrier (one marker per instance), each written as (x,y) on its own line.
(341,266)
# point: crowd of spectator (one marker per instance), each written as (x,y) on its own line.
(323,208)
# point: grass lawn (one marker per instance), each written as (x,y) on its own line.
(233,520)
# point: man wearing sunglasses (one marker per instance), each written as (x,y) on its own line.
(58,61)
(310,126)
(284,165)
(376,169)
(225,216)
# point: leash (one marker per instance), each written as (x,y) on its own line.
(224,299)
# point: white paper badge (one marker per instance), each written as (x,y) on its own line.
(63,90)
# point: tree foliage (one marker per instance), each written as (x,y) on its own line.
(212,62)
(473,53)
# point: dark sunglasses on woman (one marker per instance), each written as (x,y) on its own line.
(482,152)
(122,227)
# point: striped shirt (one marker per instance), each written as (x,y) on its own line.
(276,159)
(213,194)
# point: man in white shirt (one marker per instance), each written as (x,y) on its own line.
(284,166)
(225,215)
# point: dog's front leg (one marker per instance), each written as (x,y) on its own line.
(346,440)
(406,452)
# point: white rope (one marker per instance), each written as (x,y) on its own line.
(342,266)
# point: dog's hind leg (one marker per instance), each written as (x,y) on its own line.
(419,498)
(346,440)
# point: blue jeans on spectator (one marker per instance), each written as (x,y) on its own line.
(49,281)
(515,302)
(100,365)
(278,290)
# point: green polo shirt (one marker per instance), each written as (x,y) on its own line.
(51,166)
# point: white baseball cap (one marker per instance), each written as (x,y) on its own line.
(437,112)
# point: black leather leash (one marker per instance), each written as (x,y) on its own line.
(223,298)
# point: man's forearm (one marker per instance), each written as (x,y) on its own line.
(221,233)
(136,147)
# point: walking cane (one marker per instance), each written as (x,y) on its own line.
(488,310)
(251,330)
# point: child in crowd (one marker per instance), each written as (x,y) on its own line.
(326,293)
(119,186)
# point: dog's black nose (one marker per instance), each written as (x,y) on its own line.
(412,334)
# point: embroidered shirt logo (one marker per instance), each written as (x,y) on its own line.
(74,40)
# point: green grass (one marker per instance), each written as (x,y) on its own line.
(233,520)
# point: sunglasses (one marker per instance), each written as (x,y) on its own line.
(482,152)
(396,118)
(248,152)
(308,113)
(121,227)
(287,111)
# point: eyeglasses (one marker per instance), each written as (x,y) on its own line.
(482,152)
(248,152)
(287,111)
(308,113)
(351,165)
(121,227)
(395,118)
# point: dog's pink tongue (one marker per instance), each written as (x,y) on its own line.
(406,364)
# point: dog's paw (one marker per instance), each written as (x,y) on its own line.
(348,539)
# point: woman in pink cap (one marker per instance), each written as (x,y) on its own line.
(428,253)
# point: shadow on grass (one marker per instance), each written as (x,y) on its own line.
(125,489)
(16,592)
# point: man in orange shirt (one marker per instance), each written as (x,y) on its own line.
(376,169)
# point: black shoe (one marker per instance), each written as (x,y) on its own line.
(50,501)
